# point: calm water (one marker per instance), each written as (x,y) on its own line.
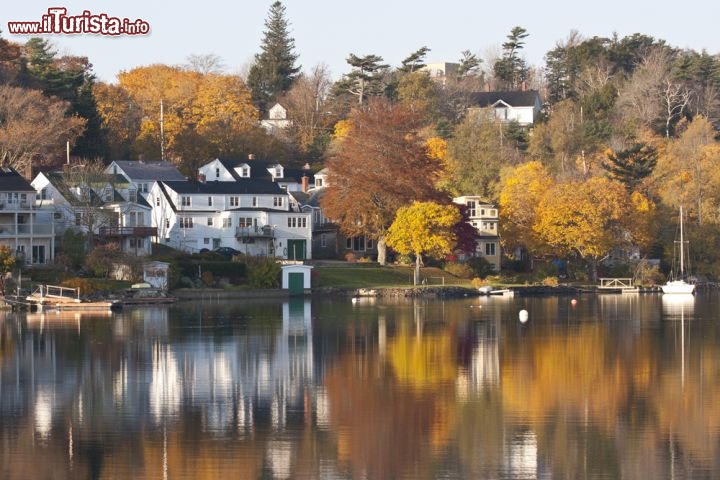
(613,386)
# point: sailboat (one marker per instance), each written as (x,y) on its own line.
(679,285)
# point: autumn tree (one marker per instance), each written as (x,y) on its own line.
(423,228)
(688,174)
(589,218)
(121,118)
(34,128)
(202,115)
(522,189)
(7,262)
(476,152)
(274,69)
(382,164)
(311,119)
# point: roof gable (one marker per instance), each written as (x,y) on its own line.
(527,98)
(153,170)
(12,181)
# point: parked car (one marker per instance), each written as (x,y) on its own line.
(226,252)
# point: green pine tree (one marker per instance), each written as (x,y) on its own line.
(274,68)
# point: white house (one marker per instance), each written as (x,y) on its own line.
(225,170)
(484,217)
(109,206)
(247,214)
(277,119)
(25,227)
(520,106)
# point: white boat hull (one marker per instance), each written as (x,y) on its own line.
(678,286)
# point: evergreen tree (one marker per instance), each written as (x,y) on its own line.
(511,70)
(632,165)
(274,69)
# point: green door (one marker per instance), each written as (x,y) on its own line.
(296,283)
(296,250)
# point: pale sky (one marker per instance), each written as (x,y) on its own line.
(328,31)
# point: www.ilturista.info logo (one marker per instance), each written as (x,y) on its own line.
(57,21)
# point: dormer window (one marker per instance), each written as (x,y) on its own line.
(278,172)
(108,194)
(318,182)
(132,196)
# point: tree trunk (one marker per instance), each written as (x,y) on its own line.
(592,266)
(416,276)
(382,251)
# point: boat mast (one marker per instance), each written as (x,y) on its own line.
(682,245)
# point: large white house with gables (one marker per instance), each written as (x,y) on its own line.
(108,206)
(25,226)
(248,214)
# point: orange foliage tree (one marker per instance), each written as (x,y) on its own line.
(381,165)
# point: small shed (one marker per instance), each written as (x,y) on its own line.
(296,278)
(156,274)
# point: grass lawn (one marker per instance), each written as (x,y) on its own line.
(373,276)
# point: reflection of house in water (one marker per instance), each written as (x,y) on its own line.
(521,456)
(239,382)
(483,369)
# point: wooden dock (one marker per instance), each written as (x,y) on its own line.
(65,298)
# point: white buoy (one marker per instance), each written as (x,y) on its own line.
(523,316)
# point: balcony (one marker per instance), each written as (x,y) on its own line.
(127,232)
(266,231)
(16,206)
(25,230)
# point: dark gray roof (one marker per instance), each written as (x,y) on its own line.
(514,99)
(153,170)
(241,186)
(259,170)
(12,181)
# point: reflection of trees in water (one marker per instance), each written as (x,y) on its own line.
(615,406)
(381,428)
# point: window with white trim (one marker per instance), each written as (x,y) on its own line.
(186,222)
(209,221)
(234,201)
(277,201)
(227,222)
(184,201)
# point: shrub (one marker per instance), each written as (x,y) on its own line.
(460,270)
(86,287)
(480,266)
(405,259)
(550,281)
(350,257)
(264,273)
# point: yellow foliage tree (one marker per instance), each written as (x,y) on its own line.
(423,228)
(589,218)
(204,115)
(522,188)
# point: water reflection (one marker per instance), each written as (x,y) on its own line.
(596,386)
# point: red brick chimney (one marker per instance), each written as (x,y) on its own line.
(305,181)
(523,85)
(201,177)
